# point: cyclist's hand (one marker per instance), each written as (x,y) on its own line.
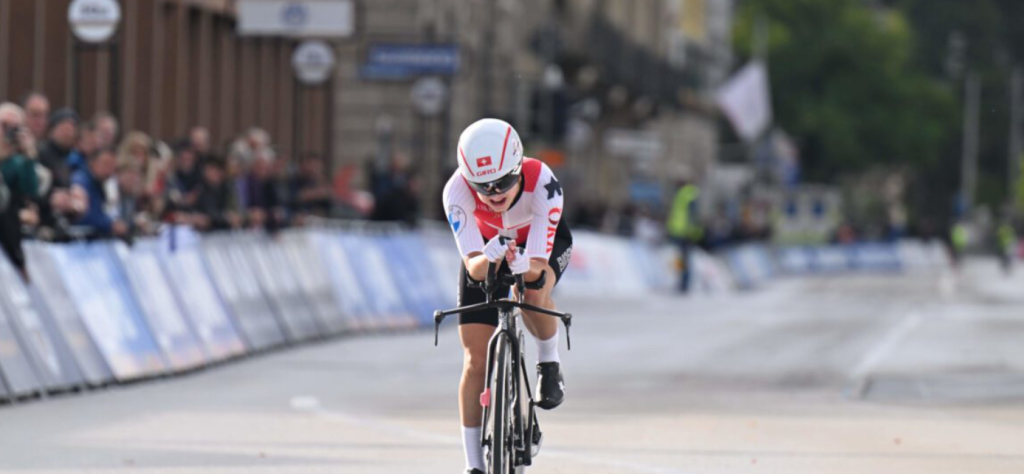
(495,250)
(519,264)
(510,250)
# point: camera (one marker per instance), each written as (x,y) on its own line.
(11,134)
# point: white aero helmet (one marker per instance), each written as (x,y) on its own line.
(490,156)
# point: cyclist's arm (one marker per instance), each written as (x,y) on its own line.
(547,213)
(459,205)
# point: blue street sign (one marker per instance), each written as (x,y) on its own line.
(401,61)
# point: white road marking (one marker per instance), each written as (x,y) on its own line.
(312,406)
(885,346)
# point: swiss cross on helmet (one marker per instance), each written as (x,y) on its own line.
(490,155)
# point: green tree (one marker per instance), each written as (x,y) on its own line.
(845,86)
(992,43)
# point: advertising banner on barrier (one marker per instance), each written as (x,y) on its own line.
(445,259)
(344,280)
(831,259)
(281,288)
(659,273)
(236,282)
(54,364)
(795,260)
(195,292)
(876,257)
(57,304)
(751,265)
(93,278)
(374,275)
(310,268)
(15,367)
(602,265)
(709,274)
(159,307)
(412,275)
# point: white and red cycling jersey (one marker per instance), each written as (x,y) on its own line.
(532,219)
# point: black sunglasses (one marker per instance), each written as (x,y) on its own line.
(497,186)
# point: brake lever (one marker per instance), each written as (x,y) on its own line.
(437,325)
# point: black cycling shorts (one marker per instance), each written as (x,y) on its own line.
(561,252)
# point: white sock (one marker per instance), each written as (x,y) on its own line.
(547,351)
(474,452)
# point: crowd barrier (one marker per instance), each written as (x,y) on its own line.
(103,312)
(753,265)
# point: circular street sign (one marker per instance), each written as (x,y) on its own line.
(94,21)
(313,62)
(428,95)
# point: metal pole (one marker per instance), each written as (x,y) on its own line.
(1016,136)
(969,163)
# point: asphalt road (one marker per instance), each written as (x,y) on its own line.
(883,374)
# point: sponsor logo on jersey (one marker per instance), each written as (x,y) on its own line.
(554,215)
(456,219)
(563,260)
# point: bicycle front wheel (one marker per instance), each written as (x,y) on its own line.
(501,454)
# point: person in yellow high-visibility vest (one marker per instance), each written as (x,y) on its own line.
(1007,245)
(958,239)
(682,228)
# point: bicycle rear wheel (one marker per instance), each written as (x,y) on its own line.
(501,456)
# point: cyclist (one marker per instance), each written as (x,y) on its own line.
(505,209)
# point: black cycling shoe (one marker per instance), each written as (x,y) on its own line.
(550,385)
(474,471)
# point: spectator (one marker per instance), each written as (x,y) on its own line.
(60,141)
(260,198)
(132,205)
(137,149)
(184,180)
(20,183)
(59,200)
(394,192)
(310,189)
(100,167)
(199,140)
(84,146)
(37,113)
(107,129)
(254,144)
(216,207)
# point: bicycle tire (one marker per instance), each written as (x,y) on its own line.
(521,413)
(501,454)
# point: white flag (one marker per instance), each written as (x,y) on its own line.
(746,100)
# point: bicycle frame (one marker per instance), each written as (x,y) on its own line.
(508,330)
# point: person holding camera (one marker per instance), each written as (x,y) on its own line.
(20,183)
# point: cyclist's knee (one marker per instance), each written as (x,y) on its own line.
(474,363)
